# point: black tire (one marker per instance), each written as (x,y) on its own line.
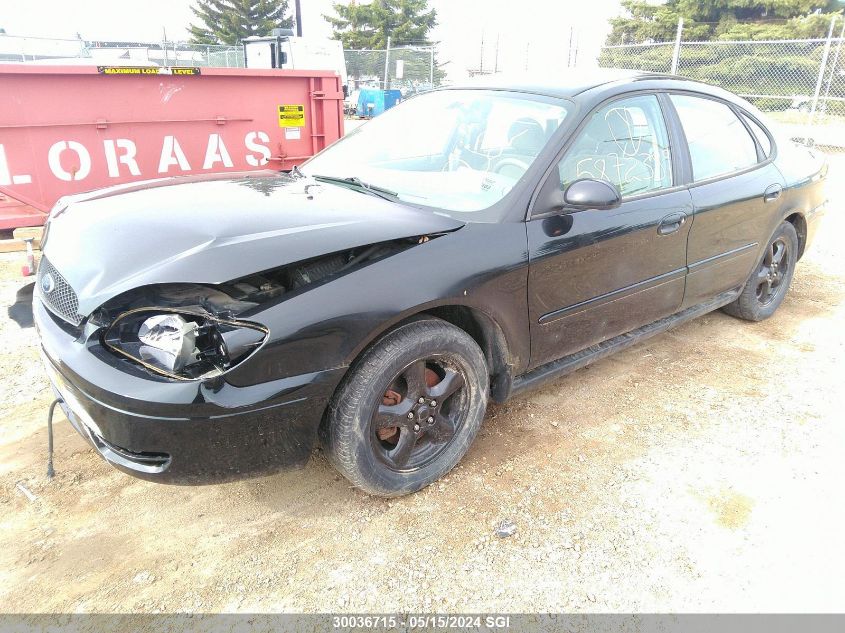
(367,432)
(765,289)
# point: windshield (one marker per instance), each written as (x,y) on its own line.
(458,150)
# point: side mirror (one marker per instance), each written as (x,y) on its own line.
(589,193)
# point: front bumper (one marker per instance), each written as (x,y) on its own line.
(181,432)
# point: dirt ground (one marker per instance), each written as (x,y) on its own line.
(700,471)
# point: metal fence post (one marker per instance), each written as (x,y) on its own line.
(835,62)
(386,65)
(676,55)
(822,68)
(431,69)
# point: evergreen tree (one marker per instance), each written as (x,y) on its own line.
(780,71)
(647,21)
(369,25)
(230,21)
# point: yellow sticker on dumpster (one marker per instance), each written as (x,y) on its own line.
(291,116)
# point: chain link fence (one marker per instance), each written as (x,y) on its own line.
(410,69)
(166,53)
(800,84)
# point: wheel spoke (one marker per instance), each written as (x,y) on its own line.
(389,415)
(402,452)
(770,254)
(778,252)
(443,429)
(451,382)
(414,377)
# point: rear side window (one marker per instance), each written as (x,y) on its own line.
(718,141)
(760,133)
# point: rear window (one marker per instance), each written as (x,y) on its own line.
(760,133)
(718,141)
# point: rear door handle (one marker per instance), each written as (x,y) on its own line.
(772,192)
(671,223)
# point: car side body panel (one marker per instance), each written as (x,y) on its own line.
(483,267)
(805,193)
(596,274)
(732,221)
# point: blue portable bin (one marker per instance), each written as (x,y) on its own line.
(373,102)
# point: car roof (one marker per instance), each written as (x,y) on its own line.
(596,84)
(565,85)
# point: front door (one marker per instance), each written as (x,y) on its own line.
(595,274)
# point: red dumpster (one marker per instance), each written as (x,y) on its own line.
(67,129)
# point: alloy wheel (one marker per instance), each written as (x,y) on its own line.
(773,271)
(419,414)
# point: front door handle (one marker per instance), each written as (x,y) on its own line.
(772,192)
(671,223)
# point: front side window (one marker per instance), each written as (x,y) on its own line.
(460,151)
(718,141)
(624,143)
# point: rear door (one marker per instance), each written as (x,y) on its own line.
(595,274)
(735,192)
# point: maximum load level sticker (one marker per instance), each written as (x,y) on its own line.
(148,70)
(291,116)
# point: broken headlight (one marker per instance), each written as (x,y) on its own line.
(181,343)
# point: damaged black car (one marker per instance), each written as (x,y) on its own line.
(464,246)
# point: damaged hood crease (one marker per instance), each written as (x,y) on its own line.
(210,231)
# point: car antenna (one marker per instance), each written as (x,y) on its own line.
(50,472)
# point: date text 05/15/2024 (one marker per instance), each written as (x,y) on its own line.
(421,621)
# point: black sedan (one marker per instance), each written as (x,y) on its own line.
(468,244)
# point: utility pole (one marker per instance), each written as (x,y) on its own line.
(496,59)
(297,12)
(481,61)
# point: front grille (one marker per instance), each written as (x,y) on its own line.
(58,296)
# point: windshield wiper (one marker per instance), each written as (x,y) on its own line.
(360,185)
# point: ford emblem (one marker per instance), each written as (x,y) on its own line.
(48,284)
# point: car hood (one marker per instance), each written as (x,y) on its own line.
(214,229)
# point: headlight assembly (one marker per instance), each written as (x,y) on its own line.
(182,344)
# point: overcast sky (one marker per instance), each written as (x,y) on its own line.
(532,34)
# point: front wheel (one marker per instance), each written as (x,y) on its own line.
(764,291)
(409,408)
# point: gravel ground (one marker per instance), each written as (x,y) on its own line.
(699,471)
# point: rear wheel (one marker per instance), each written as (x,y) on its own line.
(764,291)
(408,409)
